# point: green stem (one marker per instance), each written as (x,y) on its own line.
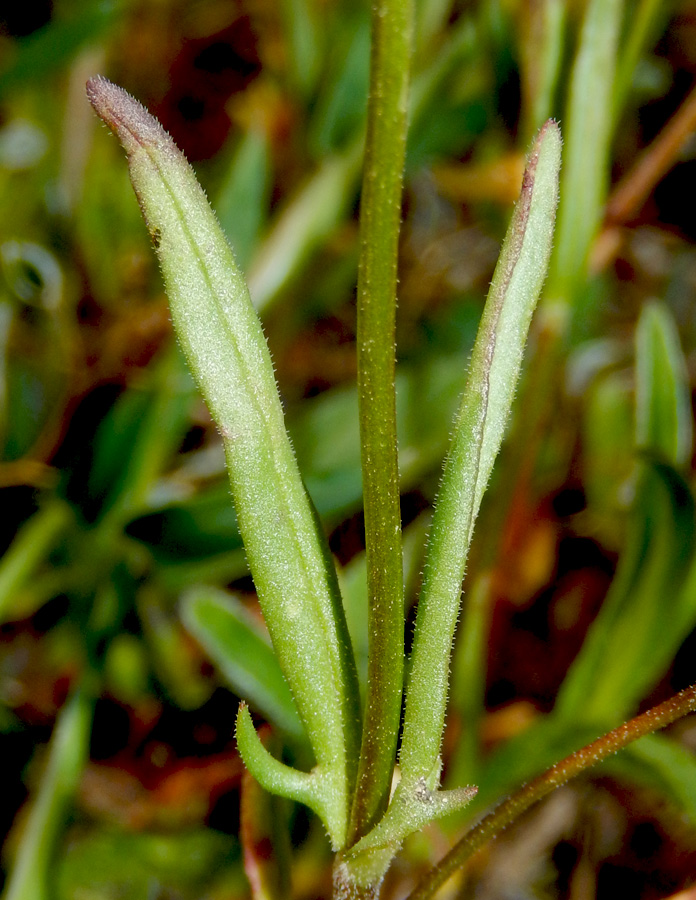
(511,809)
(379,235)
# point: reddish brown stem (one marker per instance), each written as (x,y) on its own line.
(496,821)
(632,191)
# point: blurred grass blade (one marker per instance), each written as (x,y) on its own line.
(643,30)
(340,109)
(312,213)
(651,605)
(587,132)
(641,623)
(235,642)
(137,438)
(31,875)
(28,550)
(246,187)
(431,18)
(307,42)
(223,341)
(52,47)
(541,52)
(495,364)
(663,396)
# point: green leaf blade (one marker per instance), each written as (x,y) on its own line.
(663,398)
(495,364)
(223,341)
(236,644)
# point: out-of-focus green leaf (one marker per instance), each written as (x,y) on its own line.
(242,199)
(468,680)
(340,110)
(126,668)
(527,755)
(661,763)
(608,459)
(306,40)
(663,397)
(448,99)
(54,45)
(170,657)
(200,526)
(651,605)
(644,24)
(108,224)
(30,877)
(136,439)
(303,224)
(236,643)
(634,636)
(431,18)
(587,132)
(542,52)
(182,864)
(32,544)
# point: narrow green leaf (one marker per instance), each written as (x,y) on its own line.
(68,749)
(588,131)
(313,789)
(651,605)
(223,341)
(137,439)
(32,543)
(339,113)
(478,434)
(663,395)
(647,19)
(246,187)
(236,644)
(306,42)
(634,637)
(542,51)
(302,224)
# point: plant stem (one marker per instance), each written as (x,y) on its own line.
(379,235)
(511,809)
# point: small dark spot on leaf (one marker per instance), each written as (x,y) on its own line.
(156,237)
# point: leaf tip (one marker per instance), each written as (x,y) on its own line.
(547,142)
(124,115)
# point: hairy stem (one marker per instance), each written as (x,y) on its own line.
(380,217)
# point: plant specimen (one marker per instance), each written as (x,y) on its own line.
(359,748)
(297,585)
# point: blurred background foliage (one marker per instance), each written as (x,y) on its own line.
(128,628)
